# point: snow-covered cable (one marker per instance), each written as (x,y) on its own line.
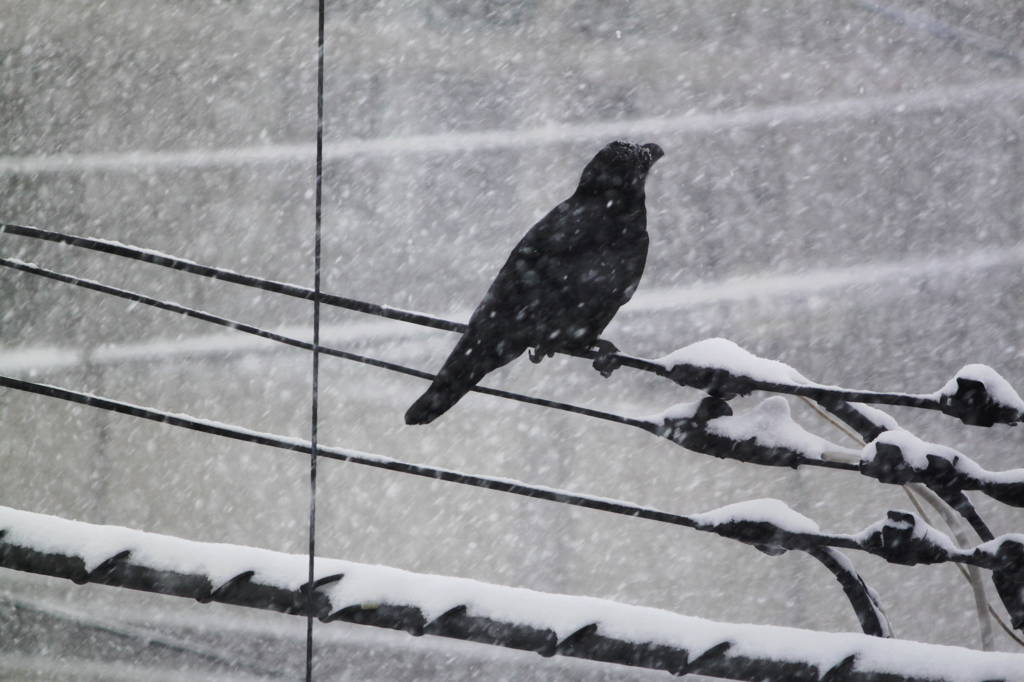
(971,574)
(549,624)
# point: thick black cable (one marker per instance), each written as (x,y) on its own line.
(380,462)
(742,531)
(872,620)
(314,411)
(406,613)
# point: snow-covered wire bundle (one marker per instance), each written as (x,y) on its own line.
(548,624)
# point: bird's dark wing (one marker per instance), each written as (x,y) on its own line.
(576,223)
(567,277)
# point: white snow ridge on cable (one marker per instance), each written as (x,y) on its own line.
(41,543)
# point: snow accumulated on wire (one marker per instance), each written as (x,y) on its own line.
(583,627)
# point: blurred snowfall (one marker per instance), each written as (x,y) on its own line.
(842,190)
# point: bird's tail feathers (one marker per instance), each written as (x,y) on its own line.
(438,399)
(468,363)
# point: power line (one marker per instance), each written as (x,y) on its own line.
(596,629)
(644,301)
(691,435)
(15,264)
(345,455)
(366,459)
(315,399)
(184,265)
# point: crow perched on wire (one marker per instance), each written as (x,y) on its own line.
(563,282)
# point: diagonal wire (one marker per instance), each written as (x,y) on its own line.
(184,265)
(345,455)
(145,636)
(91,285)
(970,573)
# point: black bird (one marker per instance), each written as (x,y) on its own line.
(563,282)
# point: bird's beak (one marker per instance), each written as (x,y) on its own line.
(656,151)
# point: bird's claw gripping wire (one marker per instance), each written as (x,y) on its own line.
(538,354)
(606,361)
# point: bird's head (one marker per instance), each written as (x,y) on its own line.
(620,166)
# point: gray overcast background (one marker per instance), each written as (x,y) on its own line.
(842,190)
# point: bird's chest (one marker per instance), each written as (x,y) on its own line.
(603,271)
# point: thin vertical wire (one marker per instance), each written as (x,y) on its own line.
(316,333)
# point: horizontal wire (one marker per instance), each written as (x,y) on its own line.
(30,268)
(816,392)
